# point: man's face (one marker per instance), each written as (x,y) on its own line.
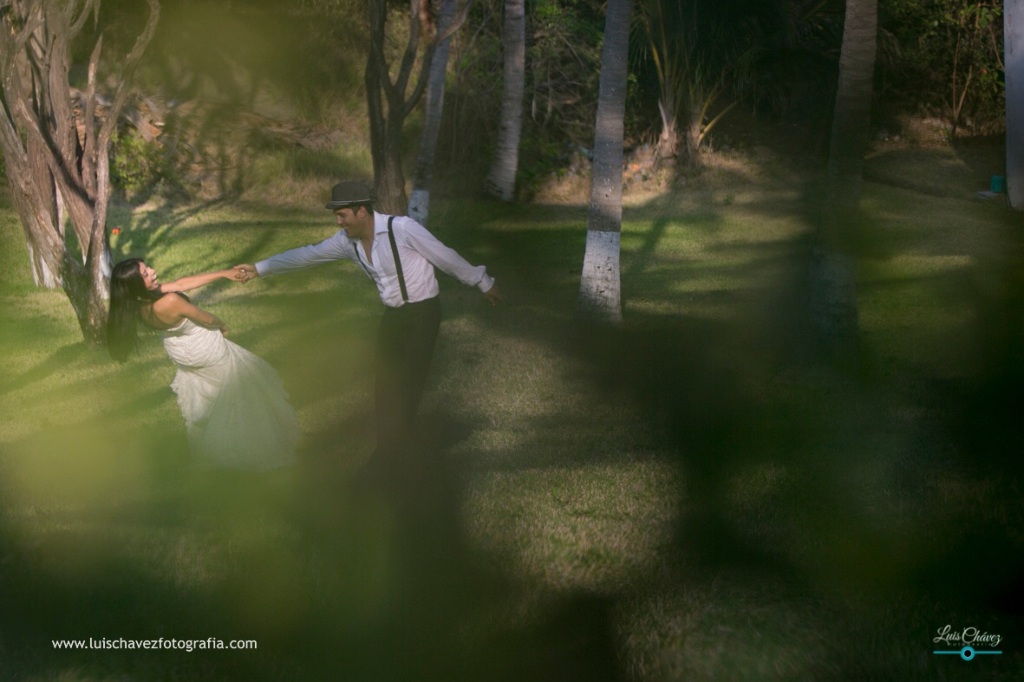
(351,221)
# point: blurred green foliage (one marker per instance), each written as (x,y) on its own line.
(215,62)
(135,165)
(946,56)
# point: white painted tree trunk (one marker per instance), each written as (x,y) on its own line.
(600,288)
(600,285)
(1013,48)
(419,205)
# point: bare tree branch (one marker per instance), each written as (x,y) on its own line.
(83,16)
(131,63)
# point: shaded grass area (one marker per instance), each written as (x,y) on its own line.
(682,498)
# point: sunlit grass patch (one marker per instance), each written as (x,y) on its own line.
(910,304)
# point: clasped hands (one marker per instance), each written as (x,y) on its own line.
(242,273)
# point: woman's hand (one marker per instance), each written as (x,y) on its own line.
(237,274)
(247,272)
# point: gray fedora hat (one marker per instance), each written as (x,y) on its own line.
(348,193)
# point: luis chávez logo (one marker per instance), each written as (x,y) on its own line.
(969,642)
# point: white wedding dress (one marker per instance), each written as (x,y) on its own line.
(236,411)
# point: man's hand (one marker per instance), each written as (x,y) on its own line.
(236,274)
(493,295)
(246,272)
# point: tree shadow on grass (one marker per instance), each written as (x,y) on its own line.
(439,587)
(46,368)
(821,479)
(821,485)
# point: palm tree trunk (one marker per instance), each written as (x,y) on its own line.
(1013,48)
(852,116)
(501,180)
(833,299)
(668,140)
(600,288)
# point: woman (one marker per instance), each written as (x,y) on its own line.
(236,412)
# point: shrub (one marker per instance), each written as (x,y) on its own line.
(135,165)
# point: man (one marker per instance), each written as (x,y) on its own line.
(399,255)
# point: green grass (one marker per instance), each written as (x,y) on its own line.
(681,498)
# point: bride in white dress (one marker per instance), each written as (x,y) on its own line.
(236,411)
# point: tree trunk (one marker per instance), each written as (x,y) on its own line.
(379,150)
(419,204)
(600,295)
(388,102)
(40,177)
(694,132)
(45,245)
(51,170)
(852,116)
(1013,49)
(501,180)
(833,298)
(668,140)
(389,178)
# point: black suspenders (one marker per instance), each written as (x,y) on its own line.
(398,261)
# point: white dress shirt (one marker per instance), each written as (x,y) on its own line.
(418,249)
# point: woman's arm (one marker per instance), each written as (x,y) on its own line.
(171,309)
(195,281)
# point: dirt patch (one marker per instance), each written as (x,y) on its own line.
(913,153)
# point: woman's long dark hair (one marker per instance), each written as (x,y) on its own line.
(127,293)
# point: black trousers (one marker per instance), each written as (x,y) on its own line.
(405,347)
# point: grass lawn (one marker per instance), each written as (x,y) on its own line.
(682,498)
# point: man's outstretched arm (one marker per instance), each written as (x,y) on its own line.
(336,247)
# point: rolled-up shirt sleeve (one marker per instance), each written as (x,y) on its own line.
(445,258)
(336,247)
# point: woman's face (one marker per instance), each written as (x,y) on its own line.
(149,277)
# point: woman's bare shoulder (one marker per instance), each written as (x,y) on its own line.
(172,300)
(166,311)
